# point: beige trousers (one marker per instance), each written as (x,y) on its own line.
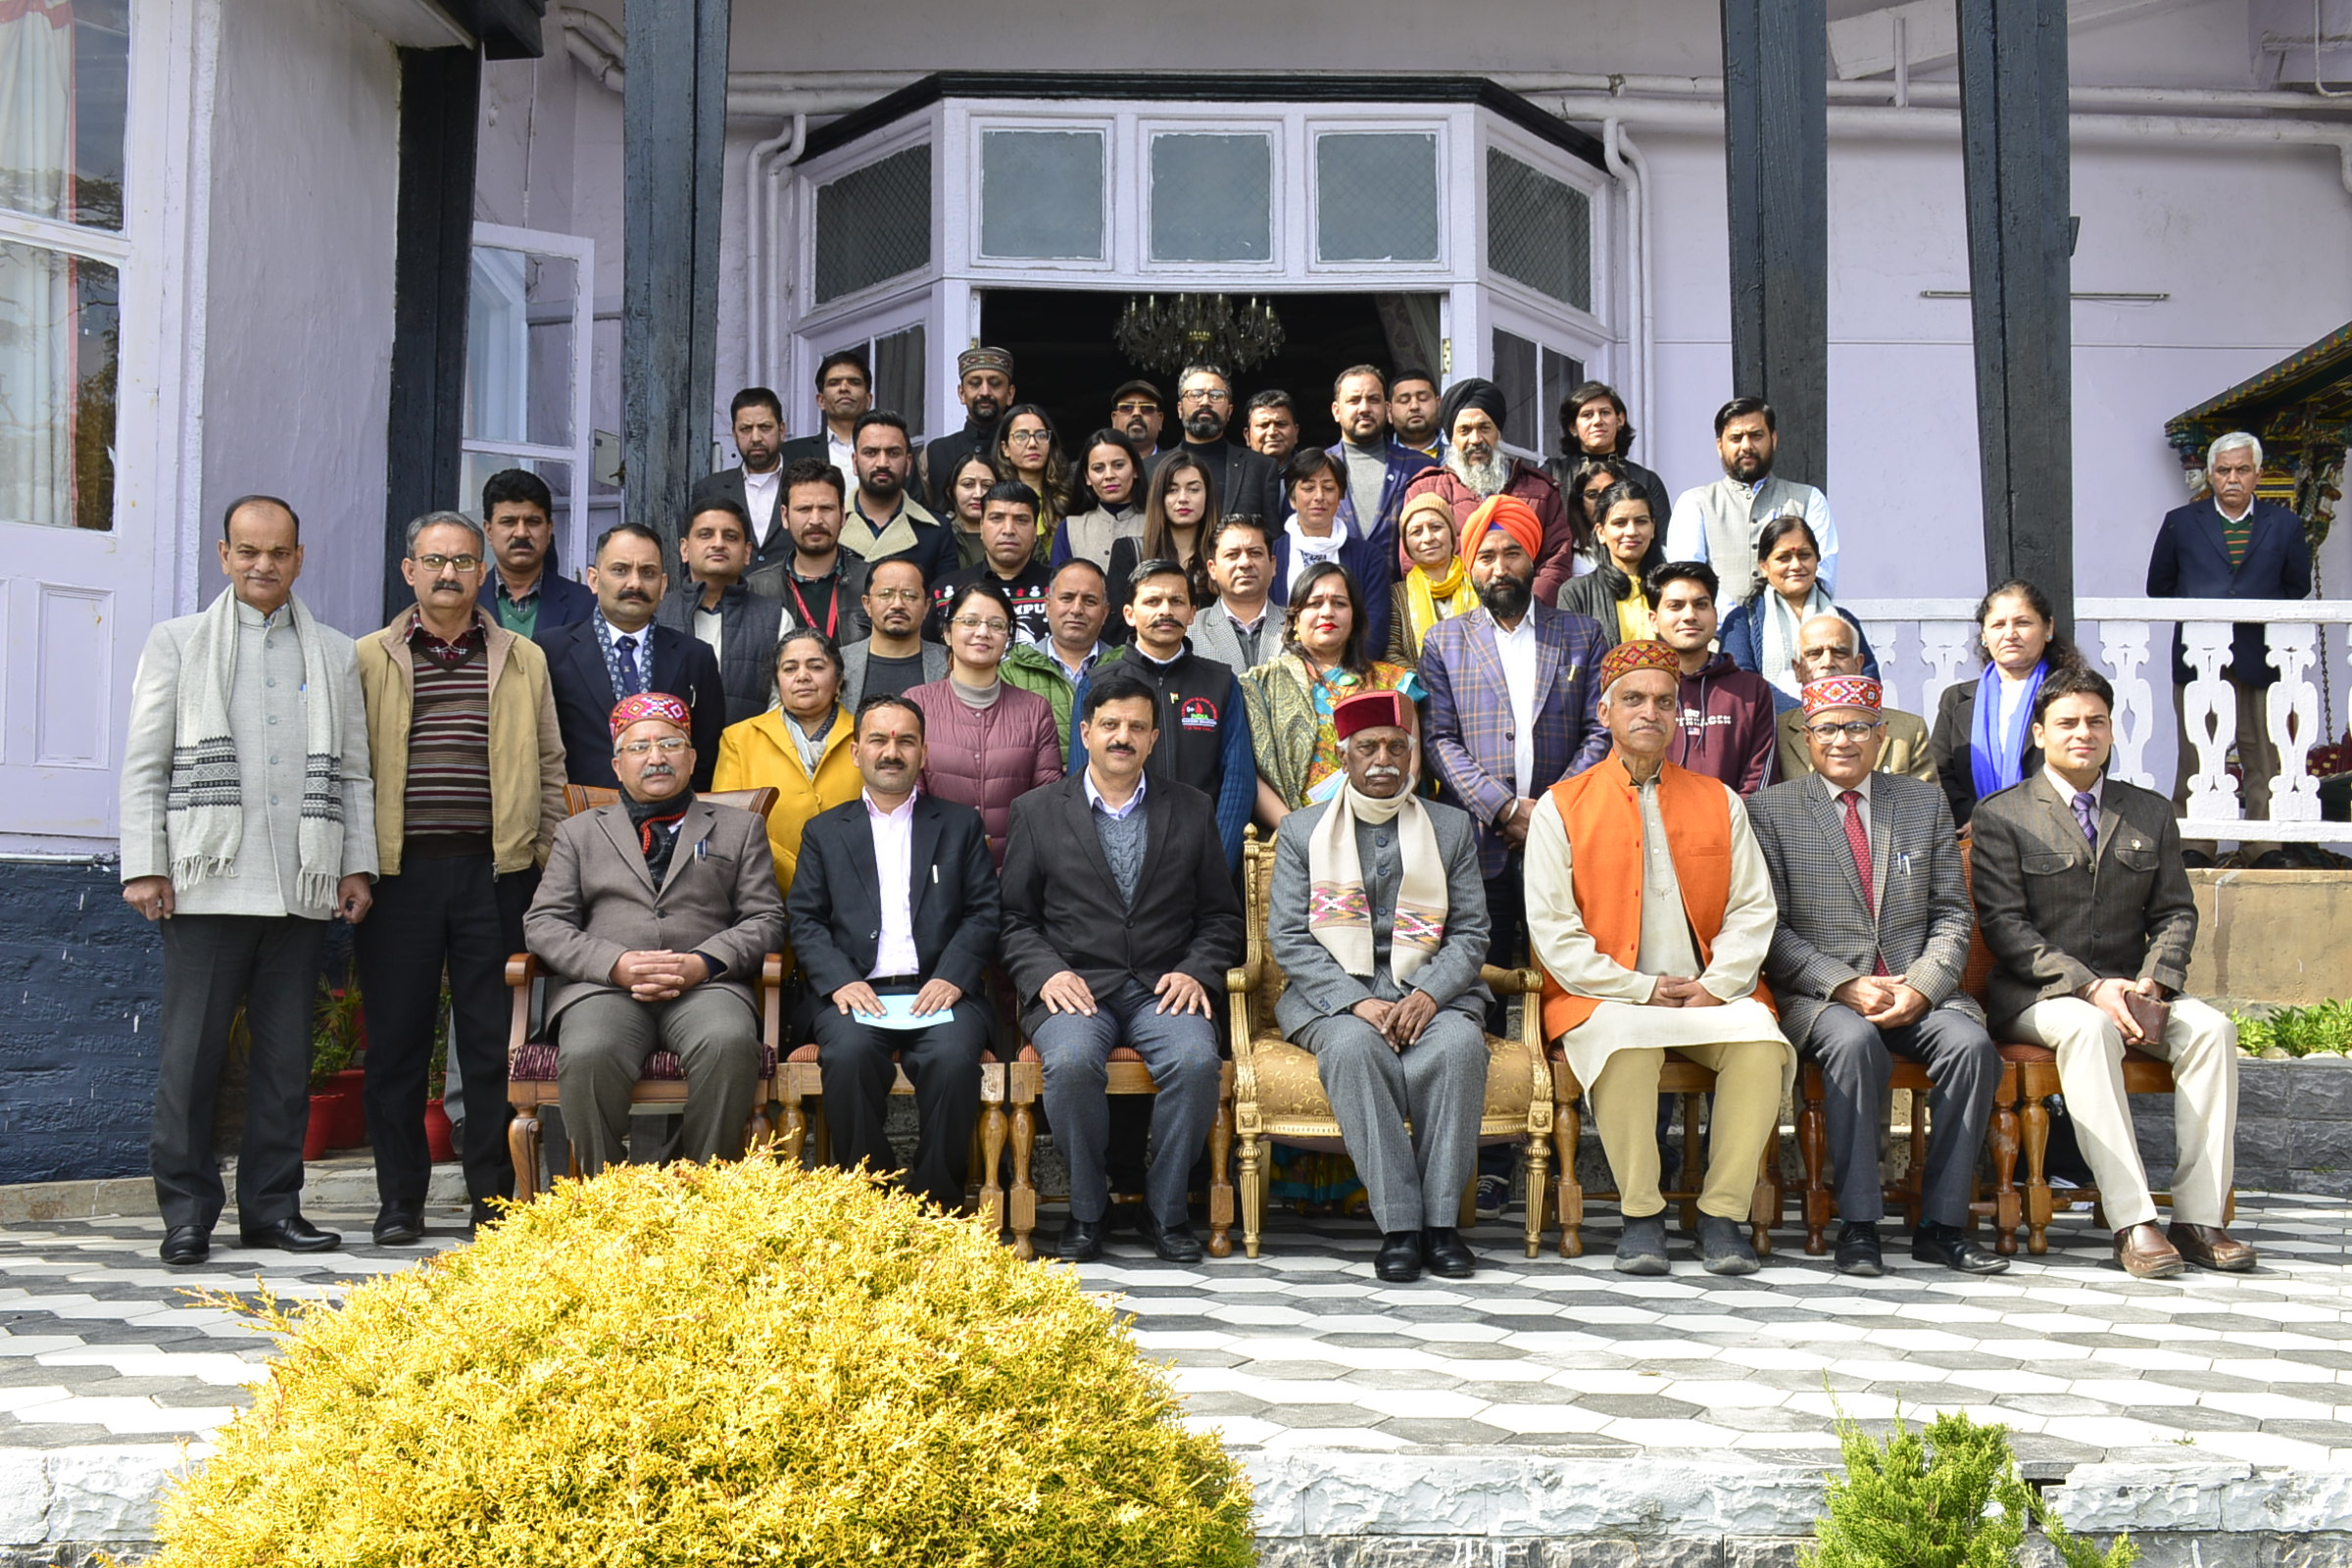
(1746,1114)
(2201,1044)
(2257,760)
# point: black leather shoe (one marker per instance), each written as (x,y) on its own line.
(1858,1250)
(1175,1243)
(1723,1247)
(483,1213)
(399,1227)
(1641,1248)
(1398,1261)
(1450,1256)
(1081,1241)
(293,1234)
(185,1245)
(1954,1249)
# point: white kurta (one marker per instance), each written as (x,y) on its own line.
(1556,933)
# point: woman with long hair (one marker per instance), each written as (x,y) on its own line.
(1104,503)
(1026,449)
(1180,502)
(1291,699)
(987,742)
(801,746)
(1434,585)
(1786,592)
(1983,734)
(1583,484)
(1624,547)
(968,484)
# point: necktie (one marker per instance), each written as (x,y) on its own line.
(2086,815)
(1857,842)
(630,683)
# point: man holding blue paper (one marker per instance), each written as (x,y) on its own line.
(894,915)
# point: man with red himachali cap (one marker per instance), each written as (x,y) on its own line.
(1379,924)
(1649,909)
(1867,961)
(653,917)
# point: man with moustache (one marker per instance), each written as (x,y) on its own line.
(984,386)
(1718,523)
(653,920)
(1240,629)
(1378,468)
(1271,426)
(1077,607)
(884,520)
(1725,723)
(1413,418)
(755,486)
(620,652)
(820,584)
(844,391)
(1592,424)
(1009,559)
(895,895)
(1137,413)
(1476,467)
(518,518)
(897,657)
(1825,646)
(739,626)
(1245,481)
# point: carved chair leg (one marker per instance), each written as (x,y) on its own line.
(2007,1211)
(1565,1131)
(793,1146)
(991,1162)
(1221,1182)
(2036,1114)
(1539,1182)
(1254,1193)
(1813,1147)
(523,1146)
(1024,1193)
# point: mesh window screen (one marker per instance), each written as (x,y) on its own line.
(1539,231)
(1041,194)
(1376,196)
(1212,198)
(873,224)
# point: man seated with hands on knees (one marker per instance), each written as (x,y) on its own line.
(653,917)
(1379,924)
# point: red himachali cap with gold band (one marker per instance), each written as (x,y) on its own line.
(1626,657)
(649,705)
(1842,691)
(1372,711)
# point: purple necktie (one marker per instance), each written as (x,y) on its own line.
(2087,813)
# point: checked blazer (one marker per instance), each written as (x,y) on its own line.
(1826,934)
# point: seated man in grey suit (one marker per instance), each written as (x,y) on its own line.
(2084,903)
(653,916)
(1379,924)
(1867,960)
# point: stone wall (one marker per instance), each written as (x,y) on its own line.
(2272,936)
(2294,1127)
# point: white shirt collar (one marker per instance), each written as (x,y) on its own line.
(1861,787)
(2241,516)
(2066,791)
(905,807)
(1094,797)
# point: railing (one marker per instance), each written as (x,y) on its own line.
(1927,645)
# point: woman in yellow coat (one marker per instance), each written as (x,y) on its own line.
(802,747)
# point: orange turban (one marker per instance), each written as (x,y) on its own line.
(1513,516)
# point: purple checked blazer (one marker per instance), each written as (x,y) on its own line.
(1467,734)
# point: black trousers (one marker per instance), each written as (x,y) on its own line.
(213,962)
(942,1062)
(446,911)
(1855,1064)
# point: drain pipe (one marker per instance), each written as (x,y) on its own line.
(1626,163)
(756,296)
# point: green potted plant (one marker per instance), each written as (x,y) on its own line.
(338,1042)
(328,1054)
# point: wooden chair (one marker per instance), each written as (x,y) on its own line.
(1278,1090)
(802,1083)
(1678,1075)
(662,1084)
(1025,1090)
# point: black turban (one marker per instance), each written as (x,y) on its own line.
(1476,393)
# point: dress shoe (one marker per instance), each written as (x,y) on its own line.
(1858,1250)
(1450,1256)
(1954,1249)
(293,1234)
(185,1245)
(483,1213)
(399,1227)
(1175,1243)
(1641,1248)
(2145,1254)
(2211,1246)
(1398,1261)
(1081,1241)
(1723,1247)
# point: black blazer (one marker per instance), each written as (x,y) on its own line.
(1245,481)
(584,697)
(801,446)
(770,539)
(750,625)
(1955,758)
(2191,561)
(835,908)
(562,602)
(1062,908)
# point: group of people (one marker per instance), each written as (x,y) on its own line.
(1015,743)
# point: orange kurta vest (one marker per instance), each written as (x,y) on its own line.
(1602,812)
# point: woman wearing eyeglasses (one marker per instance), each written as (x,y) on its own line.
(987,742)
(800,748)
(1028,449)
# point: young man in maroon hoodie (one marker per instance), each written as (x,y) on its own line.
(1728,722)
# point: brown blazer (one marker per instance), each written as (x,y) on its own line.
(2054,919)
(597,901)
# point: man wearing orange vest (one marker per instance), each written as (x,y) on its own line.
(1650,907)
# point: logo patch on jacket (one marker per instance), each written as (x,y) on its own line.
(1198,712)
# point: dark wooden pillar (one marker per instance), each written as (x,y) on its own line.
(432,268)
(673,130)
(2014,140)
(1775,152)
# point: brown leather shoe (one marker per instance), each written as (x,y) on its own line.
(2145,1254)
(2211,1246)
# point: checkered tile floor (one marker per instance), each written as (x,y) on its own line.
(1302,1349)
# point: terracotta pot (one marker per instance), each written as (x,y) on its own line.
(324,1108)
(351,1122)
(438,1133)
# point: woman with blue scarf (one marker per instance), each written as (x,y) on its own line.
(1982,740)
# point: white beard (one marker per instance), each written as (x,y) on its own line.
(1486,478)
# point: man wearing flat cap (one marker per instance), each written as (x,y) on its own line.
(1475,467)
(984,386)
(653,918)
(1649,908)
(1379,924)
(1866,965)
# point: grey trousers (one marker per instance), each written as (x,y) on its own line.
(1855,1068)
(1180,1052)
(601,1045)
(1437,1084)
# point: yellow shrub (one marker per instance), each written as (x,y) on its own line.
(727,1365)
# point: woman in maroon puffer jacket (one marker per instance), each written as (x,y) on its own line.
(986,743)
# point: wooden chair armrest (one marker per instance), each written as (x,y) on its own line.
(772,1005)
(521,970)
(1240,979)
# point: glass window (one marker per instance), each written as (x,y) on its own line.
(1212,197)
(1539,231)
(873,224)
(1376,196)
(1041,195)
(59,338)
(519,349)
(64,78)
(898,361)
(1533,378)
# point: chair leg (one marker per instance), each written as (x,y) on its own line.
(1764,1209)
(757,1129)
(1024,1193)
(1254,1193)
(1813,1147)
(1539,1180)
(823,1133)
(523,1146)
(1565,1131)
(2036,1114)
(1695,1165)
(794,1144)
(1913,1179)
(2007,1211)
(1465,1214)
(992,1160)
(1221,1182)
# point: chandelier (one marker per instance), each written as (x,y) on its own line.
(1198,329)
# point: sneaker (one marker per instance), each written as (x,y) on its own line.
(1493,1197)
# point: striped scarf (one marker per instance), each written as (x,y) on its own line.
(1338,910)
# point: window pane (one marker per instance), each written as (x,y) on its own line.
(1041,194)
(64,76)
(873,224)
(1561,375)
(498,347)
(1212,198)
(1539,231)
(58,340)
(897,361)
(1376,196)
(1516,375)
(551,291)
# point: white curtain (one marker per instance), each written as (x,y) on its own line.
(36,301)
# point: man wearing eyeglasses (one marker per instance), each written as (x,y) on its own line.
(469,763)
(1247,481)
(1866,961)
(653,920)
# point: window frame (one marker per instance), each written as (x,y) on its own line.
(573,527)
(1318,126)
(1114,177)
